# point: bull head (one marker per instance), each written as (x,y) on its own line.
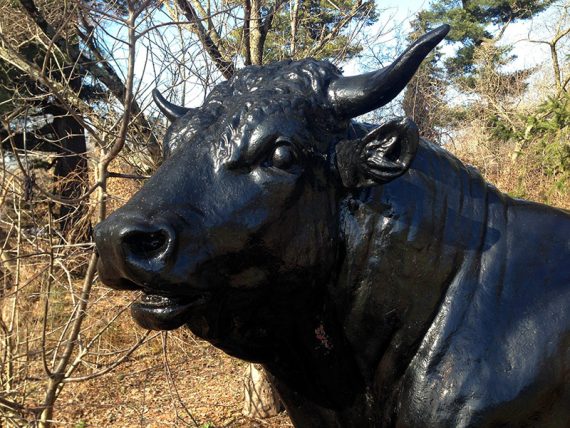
(240,226)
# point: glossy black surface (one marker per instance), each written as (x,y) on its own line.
(379,280)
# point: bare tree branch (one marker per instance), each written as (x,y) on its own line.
(105,74)
(224,66)
(246,32)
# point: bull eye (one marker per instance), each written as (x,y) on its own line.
(283,157)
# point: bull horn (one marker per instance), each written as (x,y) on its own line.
(352,96)
(171,111)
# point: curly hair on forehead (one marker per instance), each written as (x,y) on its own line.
(254,92)
(309,78)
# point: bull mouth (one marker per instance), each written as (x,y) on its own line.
(159,312)
(164,306)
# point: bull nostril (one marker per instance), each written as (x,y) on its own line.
(146,245)
(136,249)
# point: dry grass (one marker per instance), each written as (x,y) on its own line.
(174,379)
(521,178)
(192,384)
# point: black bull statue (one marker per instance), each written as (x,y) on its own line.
(379,280)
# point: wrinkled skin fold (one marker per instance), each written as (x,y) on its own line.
(379,280)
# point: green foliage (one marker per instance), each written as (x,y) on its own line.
(550,118)
(551,127)
(555,155)
(552,115)
(499,129)
(544,136)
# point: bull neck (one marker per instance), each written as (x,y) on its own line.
(405,241)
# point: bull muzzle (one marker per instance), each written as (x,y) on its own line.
(133,250)
(137,254)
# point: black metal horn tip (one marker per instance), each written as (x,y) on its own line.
(171,111)
(352,96)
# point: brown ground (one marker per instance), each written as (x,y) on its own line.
(201,387)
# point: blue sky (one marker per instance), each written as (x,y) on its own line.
(399,12)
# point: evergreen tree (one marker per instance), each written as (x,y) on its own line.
(321,29)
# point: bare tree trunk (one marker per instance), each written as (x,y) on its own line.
(255,28)
(294,26)
(261,399)
(562,30)
(71,173)
(259,27)
(556,68)
(64,366)
(246,33)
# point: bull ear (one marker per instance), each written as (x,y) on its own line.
(379,157)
